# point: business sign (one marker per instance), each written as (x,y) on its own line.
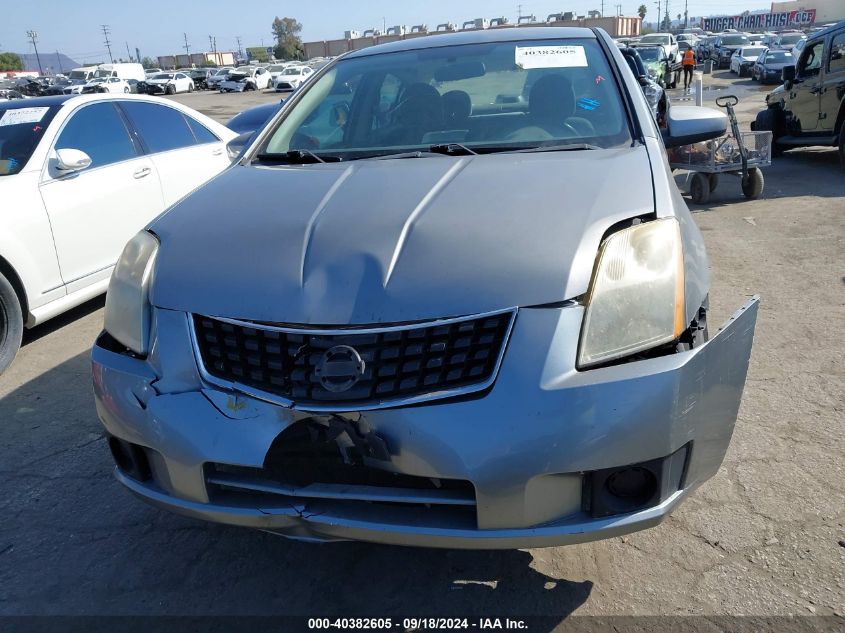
(784,19)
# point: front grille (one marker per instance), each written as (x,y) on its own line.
(408,363)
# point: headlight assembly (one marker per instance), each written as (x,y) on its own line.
(636,296)
(127,316)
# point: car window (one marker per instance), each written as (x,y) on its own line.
(99,131)
(202,133)
(20,135)
(493,95)
(162,128)
(811,60)
(837,54)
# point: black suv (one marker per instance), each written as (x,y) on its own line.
(809,108)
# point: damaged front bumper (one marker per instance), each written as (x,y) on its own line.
(527,463)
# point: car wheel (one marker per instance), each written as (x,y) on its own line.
(126,90)
(700,188)
(171,89)
(752,186)
(11,324)
(714,182)
(190,87)
(767,121)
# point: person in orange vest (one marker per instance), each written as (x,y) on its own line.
(689,65)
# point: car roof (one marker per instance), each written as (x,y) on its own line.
(478,36)
(54,100)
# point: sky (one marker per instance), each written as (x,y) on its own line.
(158,28)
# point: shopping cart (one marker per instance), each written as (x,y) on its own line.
(738,154)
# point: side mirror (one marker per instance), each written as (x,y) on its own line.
(692,124)
(71,160)
(236,146)
(787,75)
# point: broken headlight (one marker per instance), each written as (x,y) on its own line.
(636,296)
(127,316)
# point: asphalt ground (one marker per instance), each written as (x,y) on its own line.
(766,536)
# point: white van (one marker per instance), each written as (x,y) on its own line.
(123,71)
(83,74)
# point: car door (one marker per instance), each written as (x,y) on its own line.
(185,152)
(804,96)
(833,83)
(94,212)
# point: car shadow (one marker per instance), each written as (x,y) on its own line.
(56,323)
(73,541)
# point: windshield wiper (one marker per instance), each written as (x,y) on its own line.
(561,147)
(297,157)
(451,149)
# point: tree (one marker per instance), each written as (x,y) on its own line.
(148,62)
(642,11)
(288,43)
(10,61)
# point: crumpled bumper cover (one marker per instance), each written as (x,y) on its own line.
(525,445)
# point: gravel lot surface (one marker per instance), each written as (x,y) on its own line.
(765,536)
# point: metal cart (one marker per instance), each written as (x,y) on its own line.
(738,154)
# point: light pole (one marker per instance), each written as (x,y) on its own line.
(33,36)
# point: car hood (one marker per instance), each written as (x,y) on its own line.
(159,81)
(381,241)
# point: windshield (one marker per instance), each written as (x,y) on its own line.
(656,39)
(78,74)
(734,40)
(103,73)
(292,71)
(494,96)
(791,39)
(778,57)
(754,51)
(276,68)
(650,54)
(163,76)
(20,131)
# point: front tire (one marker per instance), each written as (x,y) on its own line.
(767,121)
(752,186)
(11,323)
(700,188)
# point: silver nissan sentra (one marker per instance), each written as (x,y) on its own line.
(449,296)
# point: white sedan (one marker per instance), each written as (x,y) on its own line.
(106,84)
(245,78)
(80,175)
(742,61)
(169,83)
(292,78)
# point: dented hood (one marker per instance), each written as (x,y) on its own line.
(380,241)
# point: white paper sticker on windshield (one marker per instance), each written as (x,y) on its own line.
(550,57)
(18,116)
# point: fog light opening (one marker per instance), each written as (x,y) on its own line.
(634,485)
(130,459)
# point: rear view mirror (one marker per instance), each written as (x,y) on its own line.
(70,160)
(463,70)
(237,145)
(692,124)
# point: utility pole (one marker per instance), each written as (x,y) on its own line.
(618,10)
(518,13)
(602,8)
(59,62)
(658,15)
(187,49)
(240,51)
(33,36)
(106,32)
(128,54)
(666,20)
(686,14)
